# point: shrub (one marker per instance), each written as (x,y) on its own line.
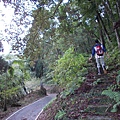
(70,69)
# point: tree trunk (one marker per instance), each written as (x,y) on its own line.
(42,90)
(102,23)
(5,103)
(118,37)
(23,86)
(5,98)
(101,32)
(113,20)
(118,7)
(102,37)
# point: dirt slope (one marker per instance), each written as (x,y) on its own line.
(86,103)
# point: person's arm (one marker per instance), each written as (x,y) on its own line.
(93,53)
(90,57)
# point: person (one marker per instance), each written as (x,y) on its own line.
(99,51)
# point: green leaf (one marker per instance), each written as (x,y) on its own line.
(11,71)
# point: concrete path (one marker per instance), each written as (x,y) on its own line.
(30,112)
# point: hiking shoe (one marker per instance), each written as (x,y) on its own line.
(99,73)
(105,72)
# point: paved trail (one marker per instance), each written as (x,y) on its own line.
(30,112)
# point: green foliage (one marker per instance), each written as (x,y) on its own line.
(71,86)
(115,107)
(70,69)
(60,115)
(12,81)
(114,56)
(39,68)
(118,79)
(3,65)
(115,96)
(8,87)
(11,71)
(97,81)
(19,70)
(9,92)
(2,81)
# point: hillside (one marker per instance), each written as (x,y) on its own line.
(86,102)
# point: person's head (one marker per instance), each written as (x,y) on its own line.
(96,41)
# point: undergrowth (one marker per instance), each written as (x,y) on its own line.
(113,90)
(70,70)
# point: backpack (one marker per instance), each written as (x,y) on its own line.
(99,50)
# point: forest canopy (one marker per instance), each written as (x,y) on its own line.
(58,25)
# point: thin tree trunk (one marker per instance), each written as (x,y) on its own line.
(5,103)
(101,33)
(110,10)
(102,37)
(102,23)
(5,98)
(118,7)
(113,20)
(118,37)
